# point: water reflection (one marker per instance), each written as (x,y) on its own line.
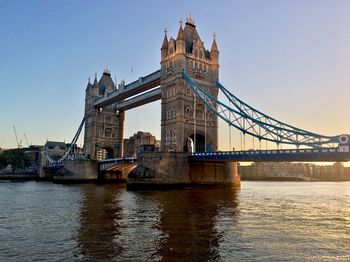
(188,218)
(273,222)
(179,225)
(100,222)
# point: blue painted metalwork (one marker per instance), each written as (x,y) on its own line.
(297,155)
(251,121)
(52,164)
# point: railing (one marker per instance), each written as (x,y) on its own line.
(143,80)
(303,155)
(264,152)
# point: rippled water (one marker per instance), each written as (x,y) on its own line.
(263,221)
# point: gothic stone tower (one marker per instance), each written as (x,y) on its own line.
(104,127)
(184,118)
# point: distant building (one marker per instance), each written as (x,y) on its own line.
(140,141)
(298,171)
(55,149)
(34,153)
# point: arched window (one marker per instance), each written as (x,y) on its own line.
(187,111)
(200,54)
(196,52)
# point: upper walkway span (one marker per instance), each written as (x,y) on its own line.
(141,85)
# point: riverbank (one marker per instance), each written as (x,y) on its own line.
(291,179)
(19,177)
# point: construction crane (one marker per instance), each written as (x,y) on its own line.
(25,138)
(19,143)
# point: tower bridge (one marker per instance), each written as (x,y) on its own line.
(188,85)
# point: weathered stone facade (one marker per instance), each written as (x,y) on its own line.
(133,144)
(185,120)
(162,170)
(104,127)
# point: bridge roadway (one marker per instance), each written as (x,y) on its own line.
(292,155)
(141,85)
(283,155)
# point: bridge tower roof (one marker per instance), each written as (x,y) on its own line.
(105,81)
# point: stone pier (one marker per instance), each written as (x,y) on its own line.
(174,170)
(77,171)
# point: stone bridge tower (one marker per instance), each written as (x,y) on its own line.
(104,127)
(186,125)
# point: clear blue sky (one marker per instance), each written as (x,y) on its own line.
(290,59)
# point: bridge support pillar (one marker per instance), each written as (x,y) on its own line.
(119,146)
(231,169)
(169,170)
(216,173)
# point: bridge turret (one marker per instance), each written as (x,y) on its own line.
(214,56)
(164,48)
(214,51)
(88,87)
(180,40)
(94,90)
(104,127)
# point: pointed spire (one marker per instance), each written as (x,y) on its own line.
(95,81)
(165,41)
(214,47)
(180,35)
(190,21)
(106,71)
(88,85)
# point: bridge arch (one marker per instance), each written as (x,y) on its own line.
(198,142)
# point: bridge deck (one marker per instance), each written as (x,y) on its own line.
(295,155)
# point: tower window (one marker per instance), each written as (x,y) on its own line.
(108,120)
(187,112)
(108,133)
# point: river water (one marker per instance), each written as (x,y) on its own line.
(262,221)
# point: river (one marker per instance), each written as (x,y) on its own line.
(262,221)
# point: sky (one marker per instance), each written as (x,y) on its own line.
(289,59)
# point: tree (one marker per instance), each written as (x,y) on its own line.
(17,158)
(2,161)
